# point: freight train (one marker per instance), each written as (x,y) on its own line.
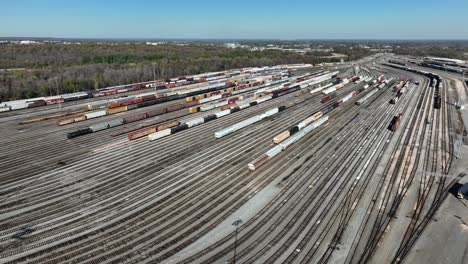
(397,62)
(442,67)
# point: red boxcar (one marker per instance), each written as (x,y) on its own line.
(396,122)
(142,132)
(135,118)
(114,105)
(326,99)
(174,107)
(192,103)
(156,112)
(228,106)
(110,92)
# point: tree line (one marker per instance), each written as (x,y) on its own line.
(47,69)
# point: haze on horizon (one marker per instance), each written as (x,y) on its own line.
(240,19)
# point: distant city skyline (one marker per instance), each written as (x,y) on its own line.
(240,19)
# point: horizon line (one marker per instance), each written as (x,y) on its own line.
(209,38)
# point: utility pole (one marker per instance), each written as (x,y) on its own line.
(56,85)
(236,223)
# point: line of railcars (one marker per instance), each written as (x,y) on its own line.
(170,108)
(157,85)
(285,143)
(249,121)
(286,138)
(302,84)
(434,81)
(215,92)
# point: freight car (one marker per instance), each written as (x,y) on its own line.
(437,102)
(328,98)
(397,62)
(395,122)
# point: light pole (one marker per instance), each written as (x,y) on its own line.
(236,223)
(56,88)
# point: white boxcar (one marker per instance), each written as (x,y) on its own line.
(195,122)
(95,114)
(222,113)
(159,134)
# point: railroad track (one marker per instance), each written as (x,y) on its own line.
(139,201)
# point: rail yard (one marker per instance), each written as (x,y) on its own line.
(312,164)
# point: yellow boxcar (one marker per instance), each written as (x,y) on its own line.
(79,118)
(193,110)
(117,110)
(65,121)
(168,125)
(189,99)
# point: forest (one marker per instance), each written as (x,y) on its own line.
(47,69)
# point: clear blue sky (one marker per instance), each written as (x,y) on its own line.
(285,19)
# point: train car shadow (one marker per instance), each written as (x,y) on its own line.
(454,189)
